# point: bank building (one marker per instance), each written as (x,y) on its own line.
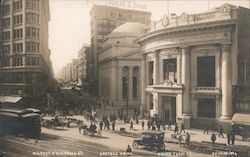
(191,64)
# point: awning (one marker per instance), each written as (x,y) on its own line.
(241,118)
(10,99)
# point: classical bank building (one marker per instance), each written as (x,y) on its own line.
(191,64)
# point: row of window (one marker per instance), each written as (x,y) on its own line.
(32,47)
(18,61)
(18,5)
(18,33)
(32,32)
(31,18)
(28,78)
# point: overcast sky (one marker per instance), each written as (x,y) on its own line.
(69,26)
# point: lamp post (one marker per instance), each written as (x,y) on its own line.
(127,85)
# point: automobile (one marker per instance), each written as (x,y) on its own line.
(241,125)
(153,140)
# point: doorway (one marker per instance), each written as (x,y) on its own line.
(168,109)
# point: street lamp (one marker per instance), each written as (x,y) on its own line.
(126,82)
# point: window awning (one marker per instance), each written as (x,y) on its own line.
(10,99)
(241,118)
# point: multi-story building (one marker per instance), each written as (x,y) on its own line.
(83,63)
(120,71)
(74,70)
(104,19)
(191,64)
(25,56)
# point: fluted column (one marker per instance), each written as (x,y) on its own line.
(178,66)
(156,68)
(143,83)
(185,75)
(119,83)
(226,79)
(130,83)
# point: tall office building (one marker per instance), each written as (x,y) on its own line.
(25,67)
(104,19)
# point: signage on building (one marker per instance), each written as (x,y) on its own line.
(130,4)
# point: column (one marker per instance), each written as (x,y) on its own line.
(178,66)
(130,83)
(155,103)
(156,68)
(119,84)
(143,83)
(226,80)
(185,73)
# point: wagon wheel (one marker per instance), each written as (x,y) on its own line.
(162,146)
(135,145)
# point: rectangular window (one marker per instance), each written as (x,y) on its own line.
(17,61)
(32,47)
(125,87)
(6,36)
(150,72)
(32,18)
(206,107)
(32,4)
(18,19)
(32,32)
(169,70)
(206,71)
(6,49)
(18,48)
(6,10)
(6,22)
(17,5)
(18,33)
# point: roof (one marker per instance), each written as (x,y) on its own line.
(241,118)
(128,29)
(10,99)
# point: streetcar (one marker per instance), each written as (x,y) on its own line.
(25,122)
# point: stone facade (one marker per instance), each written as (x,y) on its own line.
(191,62)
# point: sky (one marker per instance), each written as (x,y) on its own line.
(69,26)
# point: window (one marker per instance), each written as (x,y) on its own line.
(18,19)
(18,33)
(6,49)
(32,18)
(18,48)
(32,61)
(32,47)
(17,5)
(150,72)
(169,69)
(206,107)
(6,22)
(6,35)
(17,61)
(6,10)
(125,87)
(32,4)
(135,87)
(205,70)
(32,32)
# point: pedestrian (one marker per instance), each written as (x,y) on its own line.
(180,138)
(205,129)
(113,125)
(158,125)
(176,128)
(221,131)
(101,125)
(228,137)
(169,125)
(187,139)
(182,128)
(131,125)
(129,151)
(232,137)
(213,138)
(148,124)
(142,124)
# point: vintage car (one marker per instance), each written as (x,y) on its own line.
(241,125)
(153,140)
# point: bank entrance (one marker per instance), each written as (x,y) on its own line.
(168,109)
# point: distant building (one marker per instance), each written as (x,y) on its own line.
(83,63)
(25,68)
(193,64)
(74,70)
(120,70)
(104,19)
